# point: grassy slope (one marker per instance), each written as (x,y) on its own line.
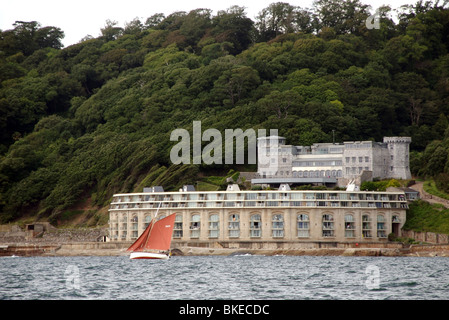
(423,216)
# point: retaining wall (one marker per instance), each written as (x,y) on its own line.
(430,237)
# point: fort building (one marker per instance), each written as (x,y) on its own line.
(239,216)
(331,164)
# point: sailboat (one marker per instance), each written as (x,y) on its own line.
(154,242)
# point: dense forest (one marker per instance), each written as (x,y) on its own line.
(95,118)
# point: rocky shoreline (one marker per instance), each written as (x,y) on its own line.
(119,249)
(86,242)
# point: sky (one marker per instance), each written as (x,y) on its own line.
(86,17)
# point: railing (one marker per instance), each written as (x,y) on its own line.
(269,199)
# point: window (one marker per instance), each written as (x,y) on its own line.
(303,225)
(349,226)
(213,226)
(195,225)
(234,226)
(381,229)
(366,159)
(255,226)
(147,221)
(177,228)
(328,225)
(277,226)
(366,226)
(134,224)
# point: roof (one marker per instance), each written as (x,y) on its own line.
(293,180)
(405,189)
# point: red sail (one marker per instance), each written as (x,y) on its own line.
(156,236)
(138,244)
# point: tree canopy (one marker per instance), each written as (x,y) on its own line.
(95,118)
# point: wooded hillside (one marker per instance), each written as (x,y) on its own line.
(95,118)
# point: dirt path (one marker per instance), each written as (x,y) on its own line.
(418,186)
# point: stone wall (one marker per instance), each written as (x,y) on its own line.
(430,237)
(13,233)
(284,245)
(8,231)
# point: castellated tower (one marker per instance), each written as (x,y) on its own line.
(399,159)
(274,157)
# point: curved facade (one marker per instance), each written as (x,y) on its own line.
(268,215)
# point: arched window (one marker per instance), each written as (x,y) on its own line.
(277,226)
(255,226)
(147,220)
(234,226)
(366,226)
(214,222)
(177,228)
(381,228)
(195,226)
(349,226)
(134,227)
(123,226)
(303,225)
(328,225)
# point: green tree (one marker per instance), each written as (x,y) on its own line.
(274,20)
(236,84)
(111,31)
(232,26)
(27,37)
(342,16)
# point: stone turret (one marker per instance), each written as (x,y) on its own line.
(399,157)
(274,157)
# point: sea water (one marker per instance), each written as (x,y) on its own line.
(244,277)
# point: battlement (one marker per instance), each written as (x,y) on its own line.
(406,140)
(339,161)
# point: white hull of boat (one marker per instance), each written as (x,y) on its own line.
(148,255)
